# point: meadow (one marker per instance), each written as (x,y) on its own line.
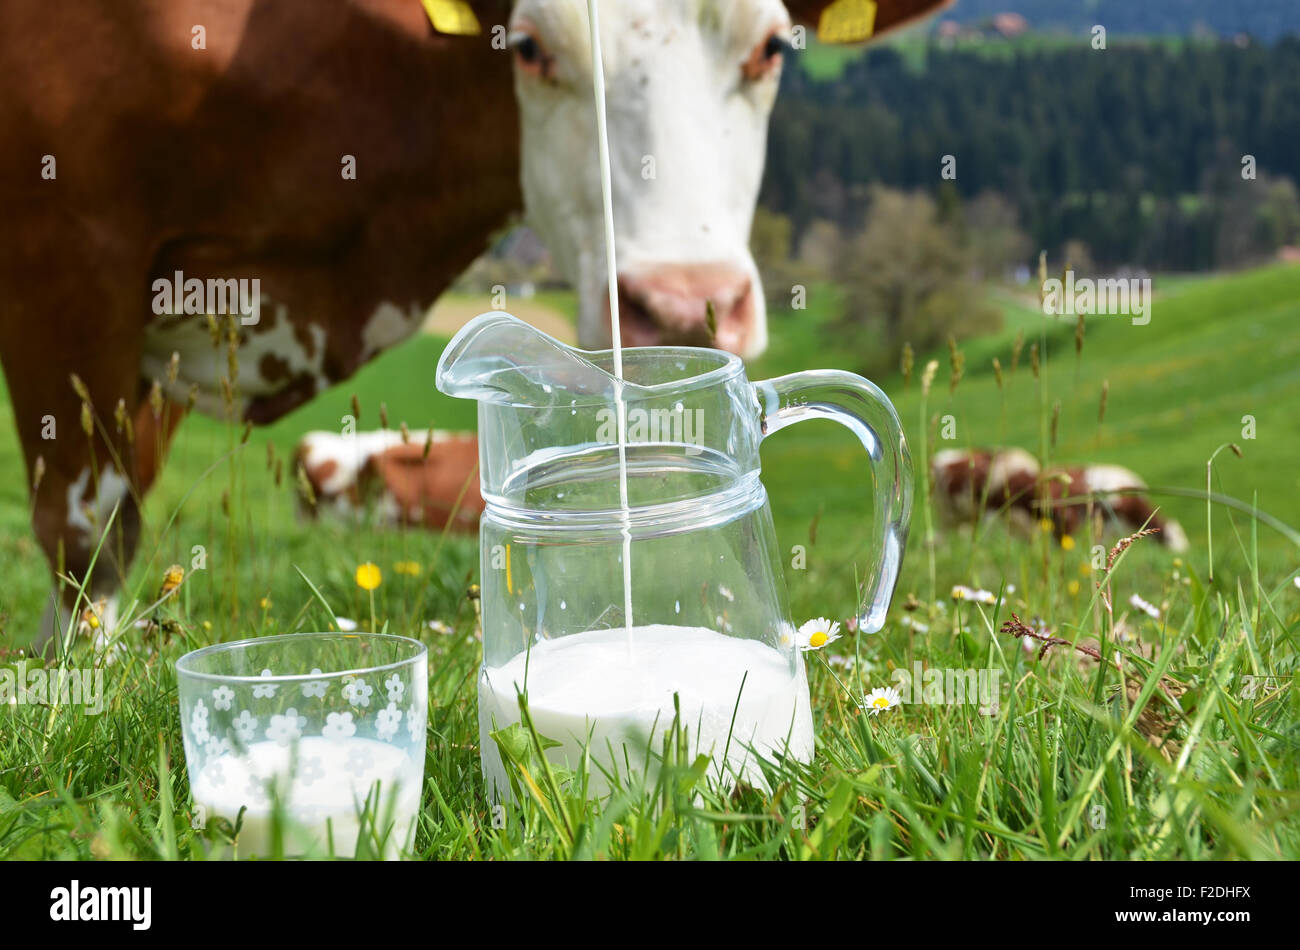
(1182,740)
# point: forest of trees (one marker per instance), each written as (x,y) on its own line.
(1133,155)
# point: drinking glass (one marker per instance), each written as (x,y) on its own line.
(307,744)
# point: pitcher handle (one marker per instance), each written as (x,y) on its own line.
(859,405)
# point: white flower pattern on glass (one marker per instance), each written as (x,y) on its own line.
(338,726)
(386,724)
(315,687)
(358,693)
(414,725)
(359,762)
(264,690)
(287,727)
(199,723)
(222,697)
(245,726)
(312,771)
(396,688)
(217,746)
(256,790)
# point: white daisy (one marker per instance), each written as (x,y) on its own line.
(880,699)
(345,624)
(980,596)
(817,633)
(1151,610)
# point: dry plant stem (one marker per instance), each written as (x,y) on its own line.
(1017,628)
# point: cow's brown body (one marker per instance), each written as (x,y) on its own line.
(224,162)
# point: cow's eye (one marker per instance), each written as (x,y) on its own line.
(775,46)
(766,57)
(530,55)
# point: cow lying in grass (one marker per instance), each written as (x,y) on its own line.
(971,484)
(428,480)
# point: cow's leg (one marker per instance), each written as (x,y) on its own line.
(79,478)
(68,541)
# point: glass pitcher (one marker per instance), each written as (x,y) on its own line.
(710,624)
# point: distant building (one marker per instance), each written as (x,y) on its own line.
(1009,24)
(1002,26)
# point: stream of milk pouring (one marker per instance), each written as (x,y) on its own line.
(620,406)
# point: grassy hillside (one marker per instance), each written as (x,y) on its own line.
(1216,350)
(1022,779)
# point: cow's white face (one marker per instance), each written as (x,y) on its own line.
(689,86)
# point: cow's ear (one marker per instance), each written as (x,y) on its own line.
(465,17)
(853,21)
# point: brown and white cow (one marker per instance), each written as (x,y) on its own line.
(393,479)
(1010,481)
(353,160)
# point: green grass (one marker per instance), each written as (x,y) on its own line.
(1060,770)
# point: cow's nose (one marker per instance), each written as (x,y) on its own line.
(668,305)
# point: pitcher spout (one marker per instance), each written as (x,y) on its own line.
(498,358)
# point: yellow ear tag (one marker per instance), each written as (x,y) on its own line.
(452,16)
(847,21)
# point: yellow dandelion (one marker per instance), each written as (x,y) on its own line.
(1073,588)
(369,576)
(171,581)
(265,603)
(409,568)
(1045,525)
(1067,543)
(1085,568)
